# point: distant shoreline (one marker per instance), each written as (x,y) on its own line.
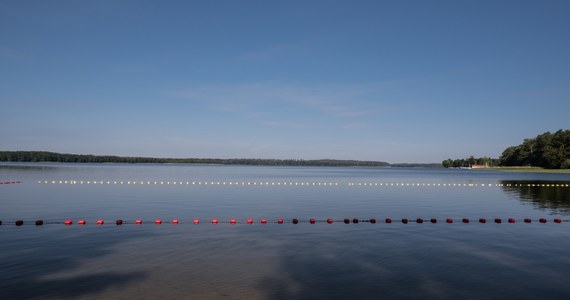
(53,157)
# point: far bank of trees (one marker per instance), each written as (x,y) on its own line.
(547,150)
(468,162)
(43,156)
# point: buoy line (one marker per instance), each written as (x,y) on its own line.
(310,183)
(214,221)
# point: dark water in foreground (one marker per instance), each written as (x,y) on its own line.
(281,261)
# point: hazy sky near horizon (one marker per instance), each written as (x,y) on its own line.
(396,81)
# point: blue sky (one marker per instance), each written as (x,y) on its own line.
(396,81)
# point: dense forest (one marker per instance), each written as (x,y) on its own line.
(42,156)
(547,150)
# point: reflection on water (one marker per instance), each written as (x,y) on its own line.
(42,264)
(336,261)
(544,197)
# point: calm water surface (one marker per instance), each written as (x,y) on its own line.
(337,261)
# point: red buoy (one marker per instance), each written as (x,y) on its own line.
(39,222)
(295,221)
(449,220)
(233,221)
(527,220)
(388,220)
(138,222)
(69,222)
(465,220)
(312,221)
(100,222)
(372,221)
(263,221)
(249,221)
(175,221)
(557,221)
(512,220)
(279,221)
(419,220)
(158,221)
(19,223)
(433,220)
(196,221)
(404,221)
(498,221)
(542,220)
(119,222)
(81,222)
(482,220)
(214,221)
(329,220)
(346,221)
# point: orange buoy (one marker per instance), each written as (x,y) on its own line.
(81,222)
(263,221)
(69,222)
(279,221)
(138,222)
(196,221)
(233,221)
(214,221)
(175,221)
(100,222)
(158,221)
(249,221)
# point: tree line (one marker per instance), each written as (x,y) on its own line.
(43,156)
(547,150)
(470,161)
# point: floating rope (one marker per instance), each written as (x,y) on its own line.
(215,221)
(10,182)
(310,183)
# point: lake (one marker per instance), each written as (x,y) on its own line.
(281,261)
